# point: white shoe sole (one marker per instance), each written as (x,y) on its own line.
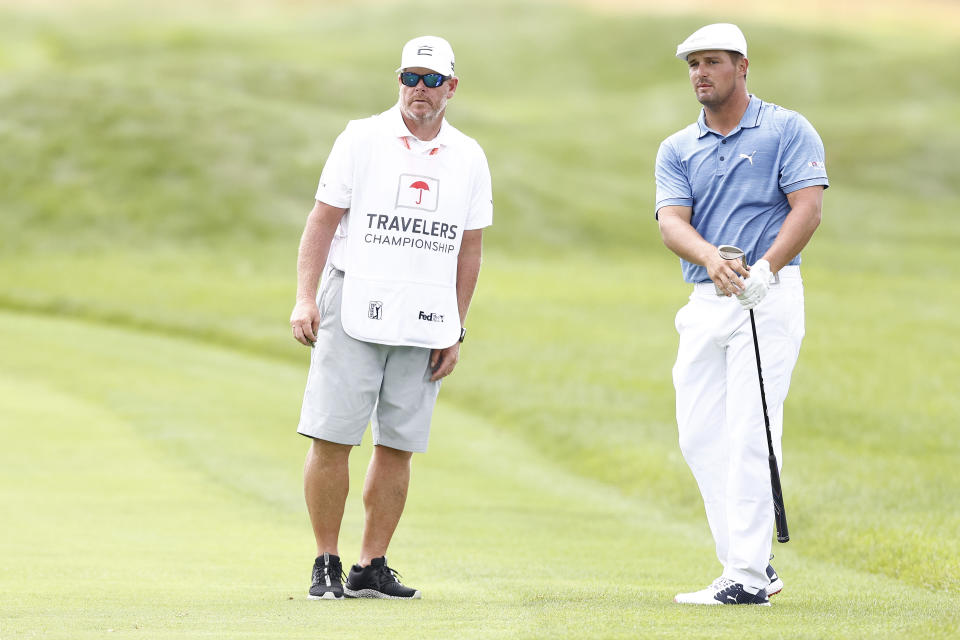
(329,595)
(705,598)
(717,602)
(680,600)
(373,593)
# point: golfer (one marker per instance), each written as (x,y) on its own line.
(751,174)
(396,231)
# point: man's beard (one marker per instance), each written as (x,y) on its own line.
(714,99)
(419,116)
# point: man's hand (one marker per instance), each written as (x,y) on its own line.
(305,320)
(756,286)
(442,361)
(726,273)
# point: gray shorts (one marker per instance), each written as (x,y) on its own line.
(352,382)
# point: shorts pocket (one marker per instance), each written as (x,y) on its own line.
(328,293)
(678,320)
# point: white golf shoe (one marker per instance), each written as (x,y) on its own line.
(723,591)
(776,584)
(704,596)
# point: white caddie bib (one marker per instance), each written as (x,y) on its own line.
(404,231)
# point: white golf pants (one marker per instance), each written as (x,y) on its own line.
(720,415)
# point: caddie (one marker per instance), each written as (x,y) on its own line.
(396,231)
(751,174)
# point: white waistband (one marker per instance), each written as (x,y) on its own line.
(790,273)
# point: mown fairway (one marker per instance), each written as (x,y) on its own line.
(156,169)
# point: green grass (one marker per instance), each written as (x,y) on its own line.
(155,176)
(130,510)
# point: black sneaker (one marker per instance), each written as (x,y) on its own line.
(736,594)
(327,581)
(377,581)
(776,584)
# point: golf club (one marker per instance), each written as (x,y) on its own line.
(729,252)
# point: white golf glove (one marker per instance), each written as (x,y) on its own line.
(756,286)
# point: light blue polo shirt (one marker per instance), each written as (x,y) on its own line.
(737,184)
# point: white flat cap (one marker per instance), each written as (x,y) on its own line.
(722,36)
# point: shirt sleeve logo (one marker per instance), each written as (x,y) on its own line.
(818,164)
(417,192)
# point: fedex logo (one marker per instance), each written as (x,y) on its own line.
(431,317)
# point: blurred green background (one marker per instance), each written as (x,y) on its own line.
(157,161)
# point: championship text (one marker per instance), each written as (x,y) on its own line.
(433,229)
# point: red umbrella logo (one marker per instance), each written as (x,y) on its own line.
(422,186)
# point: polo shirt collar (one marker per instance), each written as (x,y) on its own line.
(399,129)
(750,119)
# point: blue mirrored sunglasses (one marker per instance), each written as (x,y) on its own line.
(432,80)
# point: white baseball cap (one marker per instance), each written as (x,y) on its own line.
(430,52)
(722,36)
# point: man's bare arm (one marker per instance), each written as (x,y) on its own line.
(442,361)
(680,237)
(798,227)
(314,247)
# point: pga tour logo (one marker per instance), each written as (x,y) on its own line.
(417,192)
(375,310)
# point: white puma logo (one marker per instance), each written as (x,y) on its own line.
(749,157)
